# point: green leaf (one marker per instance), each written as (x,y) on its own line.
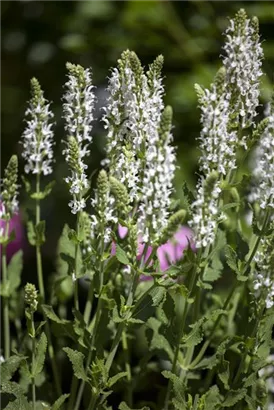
(58,403)
(212,398)
(9,367)
(251,403)
(31,233)
(114,379)
(40,233)
(49,312)
(124,406)
(157,295)
(231,258)
(233,397)
(77,360)
(40,354)
(16,390)
(36,234)
(224,374)
(66,254)
(178,387)
(121,255)
(157,340)
(196,335)
(26,183)
(14,271)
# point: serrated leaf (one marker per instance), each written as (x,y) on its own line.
(77,360)
(158,341)
(9,367)
(114,379)
(233,397)
(64,264)
(251,403)
(212,398)
(121,255)
(224,374)
(49,312)
(231,258)
(178,386)
(21,402)
(58,403)
(196,335)
(157,295)
(14,271)
(40,354)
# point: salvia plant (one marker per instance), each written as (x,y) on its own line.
(160,315)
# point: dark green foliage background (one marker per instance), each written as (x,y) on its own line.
(39,37)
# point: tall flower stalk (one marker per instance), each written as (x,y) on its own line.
(37,141)
(78,109)
(9,207)
(78,113)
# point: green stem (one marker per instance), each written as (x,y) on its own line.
(5,299)
(93,401)
(75,279)
(229,297)
(97,320)
(181,331)
(88,307)
(121,326)
(42,294)
(32,363)
(127,367)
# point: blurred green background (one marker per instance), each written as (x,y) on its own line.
(38,38)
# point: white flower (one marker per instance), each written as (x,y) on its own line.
(38,135)
(263,173)
(217,143)
(205,217)
(78,113)
(263,282)
(243,60)
(139,153)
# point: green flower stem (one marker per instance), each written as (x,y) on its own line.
(88,307)
(77,248)
(127,367)
(93,401)
(32,363)
(96,324)
(121,326)
(194,278)
(42,294)
(229,297)
(5,299)
(129,304)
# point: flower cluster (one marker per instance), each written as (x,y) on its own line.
(243,62)
(9,202)
(218,157)
(263,173)
(78,113)
(263,277)
(139,150)
(38,135)
(103,216)
(231,101)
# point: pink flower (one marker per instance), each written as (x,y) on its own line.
(168,253)
(15,224)
(172,251)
